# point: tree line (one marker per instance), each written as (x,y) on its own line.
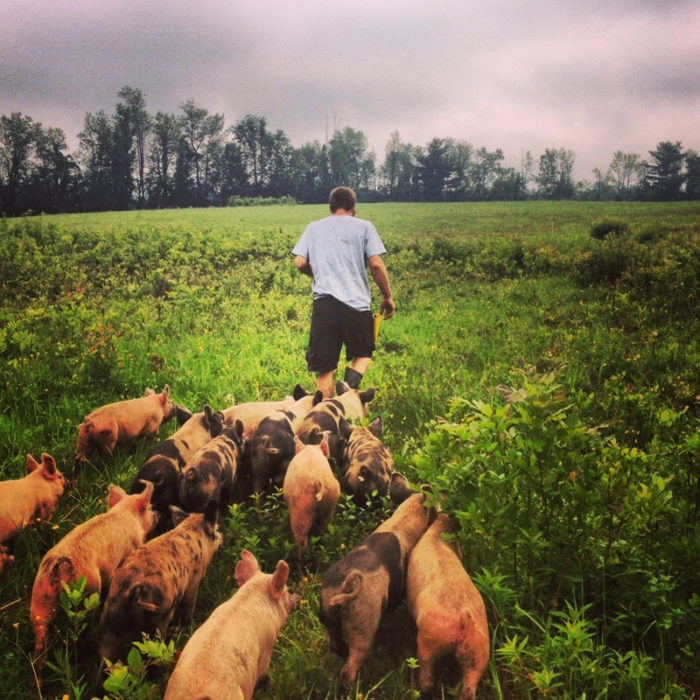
(134,159)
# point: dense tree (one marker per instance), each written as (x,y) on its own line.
(201,140)
(485,167)
(555,177)
(96,156)
(165,135)
(350,161)
(434,170)
(664,171)
(18,135)
(627,169)
(132,158)
(137,125)
(692,170)
(56,176)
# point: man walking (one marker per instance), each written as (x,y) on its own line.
(335,252)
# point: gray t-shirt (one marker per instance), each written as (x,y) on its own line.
(337,249)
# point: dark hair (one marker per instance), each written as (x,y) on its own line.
(342,198)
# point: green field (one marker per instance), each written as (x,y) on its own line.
(544,381)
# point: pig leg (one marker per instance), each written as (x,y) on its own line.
(473,663)
(428,655)
(360,628)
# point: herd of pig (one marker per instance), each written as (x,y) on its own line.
(148,554)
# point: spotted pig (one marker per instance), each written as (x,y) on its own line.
(448,609)
(211,473)
(167,459)
(333,416)
(158,582)
(368,582)
(367,463)
(272,446)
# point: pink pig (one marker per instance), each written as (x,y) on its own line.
(22,501)
(310,491)
(448,609)
(93,549)
(227,656)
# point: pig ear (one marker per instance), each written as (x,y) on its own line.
(318,397)
(178,515)
(246,568)
(368,395)
(375,427)
(298,445)
(166,390)
(49,464)
(32,464)
(299,392)
(146,495)
(324,445)
(341,387)
(149,392)
(278,582)
(238,428)
(116,494)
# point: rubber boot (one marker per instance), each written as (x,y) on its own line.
(352,378)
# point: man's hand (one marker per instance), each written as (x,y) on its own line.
(387,307)
(303,265)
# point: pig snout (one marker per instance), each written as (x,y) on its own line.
(294,602)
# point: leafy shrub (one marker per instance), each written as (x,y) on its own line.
(603,228)
(238,201)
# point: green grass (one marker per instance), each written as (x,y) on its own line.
(98,306)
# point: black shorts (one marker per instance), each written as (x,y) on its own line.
(332,324)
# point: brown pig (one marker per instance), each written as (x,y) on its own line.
(368,582)
(122,422)
(94,550)
(310,491)
(227,656)
(158,581)
(448,610)
(22,501)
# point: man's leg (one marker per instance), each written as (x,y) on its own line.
(324,384)
(353,373)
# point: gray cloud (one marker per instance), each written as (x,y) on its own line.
(592,77)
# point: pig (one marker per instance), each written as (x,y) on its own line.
(310,491)
(94,550)
(164,465)
(158,582)
(399,488)
(272,446)
(211,473)
(367,463)
(6,559)
(448,609)
(227,656)
(253,412)
(122,422)
(333,416)
(368,582)
(23,501)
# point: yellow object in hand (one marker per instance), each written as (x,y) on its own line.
(377,323)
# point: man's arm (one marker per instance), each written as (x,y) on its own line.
(303,265)
(379,274)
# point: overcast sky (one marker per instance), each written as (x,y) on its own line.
(591,76)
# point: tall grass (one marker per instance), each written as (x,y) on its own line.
(504,310)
